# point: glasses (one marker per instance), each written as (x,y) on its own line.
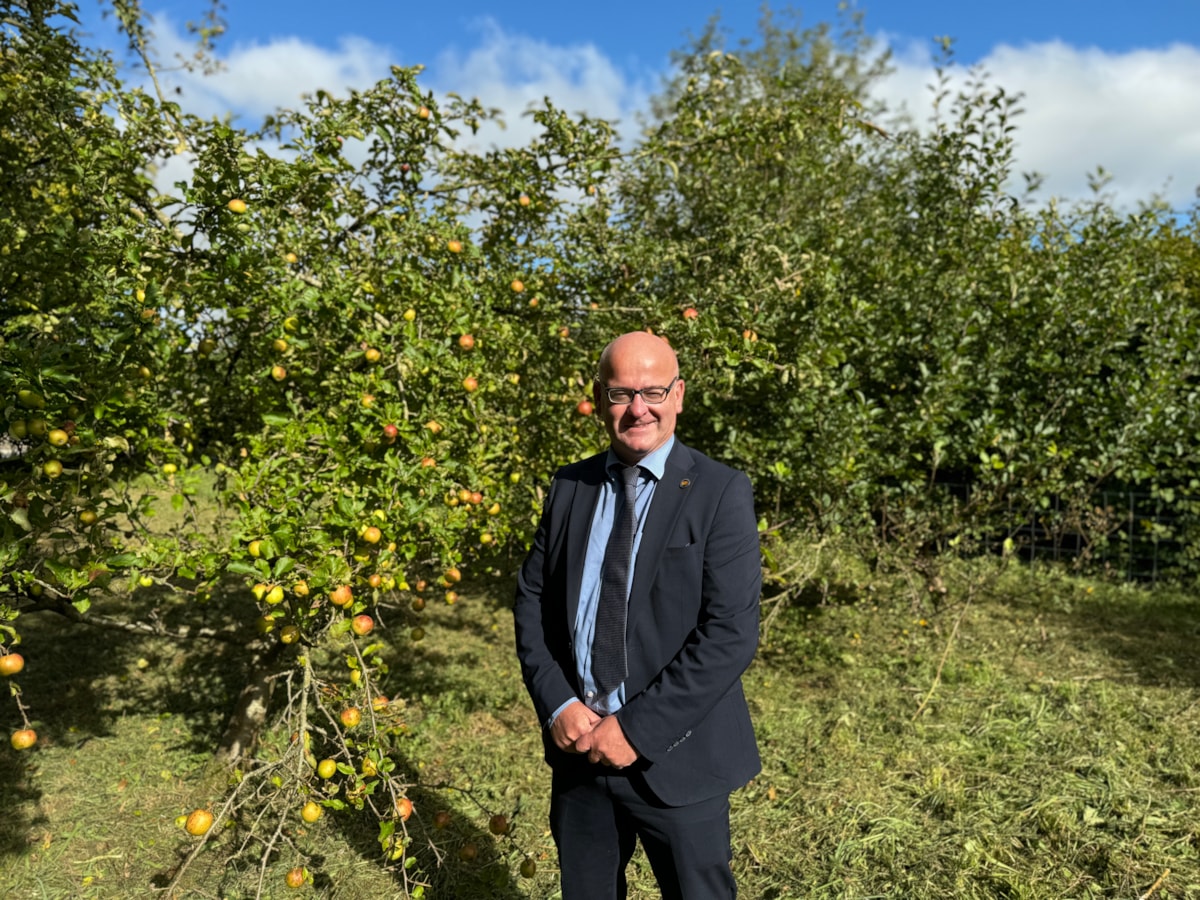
(652,395)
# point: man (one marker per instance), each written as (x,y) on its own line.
(646,736)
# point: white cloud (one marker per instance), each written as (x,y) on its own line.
(1136,113)
(512,72)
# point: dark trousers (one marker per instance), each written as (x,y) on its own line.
(597,817)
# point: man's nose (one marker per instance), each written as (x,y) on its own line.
(637,406)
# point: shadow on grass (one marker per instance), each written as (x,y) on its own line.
(1156,635)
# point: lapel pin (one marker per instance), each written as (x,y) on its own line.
(684,483)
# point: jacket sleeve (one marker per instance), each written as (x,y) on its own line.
(721,645)
(539,613)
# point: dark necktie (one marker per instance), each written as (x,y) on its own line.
(609,666)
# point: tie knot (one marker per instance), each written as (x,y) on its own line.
(629,475)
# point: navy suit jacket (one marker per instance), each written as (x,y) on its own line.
(692,626)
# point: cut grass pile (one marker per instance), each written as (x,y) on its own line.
(1028,735)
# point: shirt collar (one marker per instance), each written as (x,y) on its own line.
(654,463)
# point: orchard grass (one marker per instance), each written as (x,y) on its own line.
(1023,735)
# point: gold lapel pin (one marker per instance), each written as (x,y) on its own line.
(684,483)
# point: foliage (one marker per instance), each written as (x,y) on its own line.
(330,379)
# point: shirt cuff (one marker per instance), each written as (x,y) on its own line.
(558,712)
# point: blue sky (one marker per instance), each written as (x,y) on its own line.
(1105,83)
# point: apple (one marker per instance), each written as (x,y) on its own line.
(418,604)
(36,428)
(466,341)
(391,432)
(420,585)
(379,703)
(24,739)
(289,634)
(295,877)
(368,400)
(11,664)
(88,517)
(517,285)
(453,574)
(259,590)
(404,808)
(350,716)
(434,426)
(470,384)
(372,355)
(749,335)
(291,258)
(206,347)
(454,246)
(498,824)
(57,437)
(417,634)
(300,588)
(486,538)
(19,429)
(278,373)
(31,399)
(428,462)
(279,345)
(198,822)
(423,112)
(237,205)
(362,624)
(409,315)
(265,625)
(451,596)
(524,200)
(255,548)
(326,768)
(584,407)
(528,867)
(342,595)
(169,468)
(691,313)
(275,595)
(291,324)
(372,535)
(375,580)
(468,851)
(52,468)
(494,509)
(310,812)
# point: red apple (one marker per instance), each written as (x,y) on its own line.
(362,624)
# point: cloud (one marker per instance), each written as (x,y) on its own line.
(1135,113)
(512,72)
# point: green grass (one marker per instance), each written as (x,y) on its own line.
(1054,756)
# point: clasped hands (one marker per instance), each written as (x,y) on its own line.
(579,729)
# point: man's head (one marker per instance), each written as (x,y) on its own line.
(638,361)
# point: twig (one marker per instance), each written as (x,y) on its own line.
(937,678)
(1154,887)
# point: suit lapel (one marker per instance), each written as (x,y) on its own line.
(579,523)
(679,479)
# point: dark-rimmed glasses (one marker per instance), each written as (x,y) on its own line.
(652,395)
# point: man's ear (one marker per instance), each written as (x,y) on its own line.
(597,393)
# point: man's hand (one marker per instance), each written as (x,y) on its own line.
(606,743)
(572,723)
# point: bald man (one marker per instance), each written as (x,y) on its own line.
(653,751)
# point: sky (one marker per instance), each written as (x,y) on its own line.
(1108,83)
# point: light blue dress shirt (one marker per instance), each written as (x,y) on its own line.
(652,468)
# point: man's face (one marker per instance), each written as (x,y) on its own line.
(638,428)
